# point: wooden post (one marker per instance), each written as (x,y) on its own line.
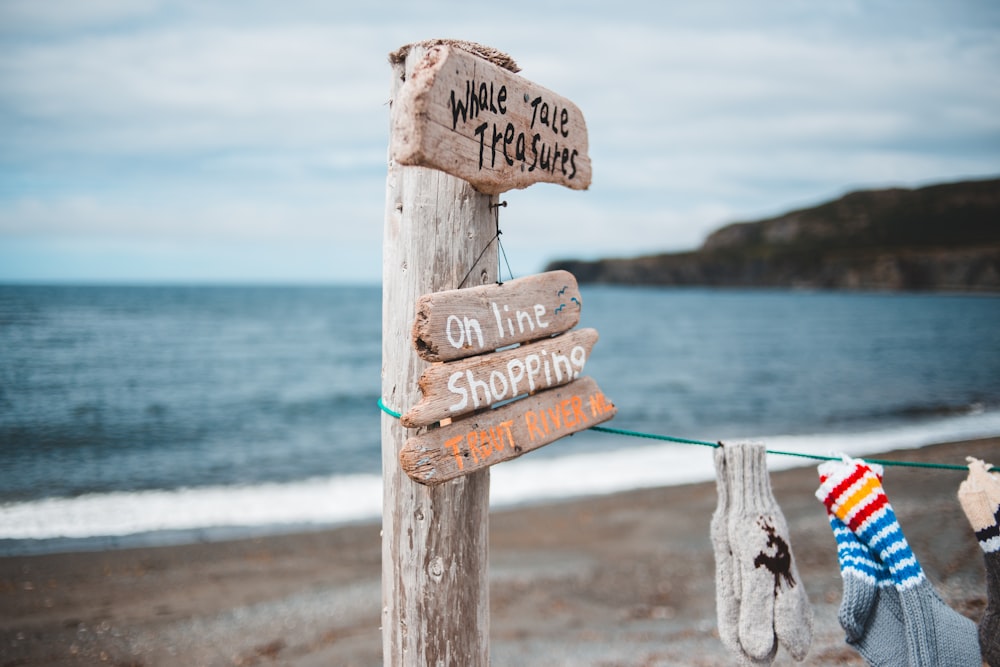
(435,556)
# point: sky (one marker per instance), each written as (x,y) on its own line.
(246,142)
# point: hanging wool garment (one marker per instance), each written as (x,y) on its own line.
(934,633)
(727,600)
(979,495)
(767,604)
(870,611)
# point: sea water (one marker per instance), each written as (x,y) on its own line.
(178,413)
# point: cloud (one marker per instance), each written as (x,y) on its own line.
(29,17)
(196,89)
(137,119)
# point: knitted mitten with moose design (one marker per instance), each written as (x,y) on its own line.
(727,600)
(772,599)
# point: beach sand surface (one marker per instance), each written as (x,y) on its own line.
(618,580)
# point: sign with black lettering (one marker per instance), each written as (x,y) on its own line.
(507,432)
(480,122)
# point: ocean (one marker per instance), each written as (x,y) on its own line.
(155,414)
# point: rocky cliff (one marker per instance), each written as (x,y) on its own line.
(940,237)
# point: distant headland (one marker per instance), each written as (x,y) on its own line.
(942,237)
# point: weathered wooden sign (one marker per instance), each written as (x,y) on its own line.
(460,323)
(458,388)
(508,345)
(507,432)
(474,120)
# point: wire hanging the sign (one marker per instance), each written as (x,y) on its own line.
(501,253)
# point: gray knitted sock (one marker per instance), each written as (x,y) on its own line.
(773,603)
(935,633)
(870,612)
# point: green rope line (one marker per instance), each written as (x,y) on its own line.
(704,443)
(386,410)
(652,436)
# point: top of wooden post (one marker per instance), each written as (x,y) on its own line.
(464,111)
(498,58)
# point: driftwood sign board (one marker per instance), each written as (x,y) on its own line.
(510,345)
(505,433)
(460,323)
(477,121)
(458,388)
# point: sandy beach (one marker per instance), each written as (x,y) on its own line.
(626,579)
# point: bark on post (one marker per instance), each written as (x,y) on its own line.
(435,557)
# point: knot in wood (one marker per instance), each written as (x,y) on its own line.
(436,568)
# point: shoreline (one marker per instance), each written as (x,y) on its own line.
(585,467)
(619,579)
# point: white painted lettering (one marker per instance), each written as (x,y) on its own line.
(474,386)
(472,327)
(579,357)
(561,362)
(498,394)
(454,388)
(539,311)
(496,313)
(522,375)
(524,317)
(449,332)
(533,364)
(512,365)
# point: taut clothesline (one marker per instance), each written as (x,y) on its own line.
(705,443)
